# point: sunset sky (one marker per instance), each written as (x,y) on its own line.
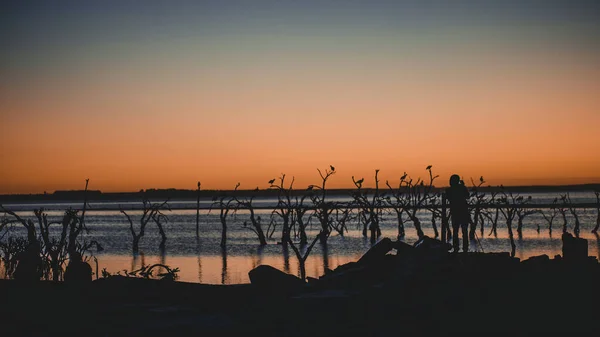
(160,94)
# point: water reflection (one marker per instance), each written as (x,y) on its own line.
(198,254)
(286,258)
(325,255)
(223,265)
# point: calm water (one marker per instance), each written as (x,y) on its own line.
(202,260)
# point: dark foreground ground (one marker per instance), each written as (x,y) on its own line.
(465,295)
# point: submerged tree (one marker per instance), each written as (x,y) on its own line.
(419,194)
(300,210)
(522,213)
(476,200)
(573,212)
(255,220)
(562,209)
(284,208)
(54,251)
(494,215)
(302,257)
(398,202)
(323,208)
(369,207)
(198,211)
(224,204)
(436,213)
(27,224)
(507,206)
(150,212)
(551,215)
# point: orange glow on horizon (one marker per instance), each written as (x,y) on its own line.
(134,107)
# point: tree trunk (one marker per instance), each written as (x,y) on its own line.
(513,247)
(434,225)
(301,264)
(324,227)
(365,226)
(576,228)
(495,223)
(474,224)
(163,237)
(564,216)
(285,232)
(223,233)
(520,226)
(373,234)
(261,236)
(302,228)
(481,222)
(136,244)
(417,224)
(401,232)
(286,257)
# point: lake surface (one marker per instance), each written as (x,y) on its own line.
(202,259)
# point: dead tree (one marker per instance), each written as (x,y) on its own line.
(508,209)
(302,257)
(419,195)
(476,199)
(436,213)
(56,250)
(595,230)
(550,216)
(494,215)
(343,214)
(573,212)
(224,204)
(284,208)
(522,213)
(27,224)
(398,202)
(198,211)
(562,209)
(369,208)
(298,217)
(150,211)
(255,220)
(323,208)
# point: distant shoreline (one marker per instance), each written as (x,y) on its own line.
(182,194)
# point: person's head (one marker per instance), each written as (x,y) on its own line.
(454,180)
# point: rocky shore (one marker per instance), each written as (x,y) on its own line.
(395,289)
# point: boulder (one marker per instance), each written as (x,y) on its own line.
(377,252)
(429,246)
(536,262)
(273,279)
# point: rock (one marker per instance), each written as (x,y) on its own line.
(403,248)
(430,249)
(272,279)
(538,259)
(574,249)
(536,262)
(377,252)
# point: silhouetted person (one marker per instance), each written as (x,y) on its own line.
(457,194)
(29,267)
(78,270)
